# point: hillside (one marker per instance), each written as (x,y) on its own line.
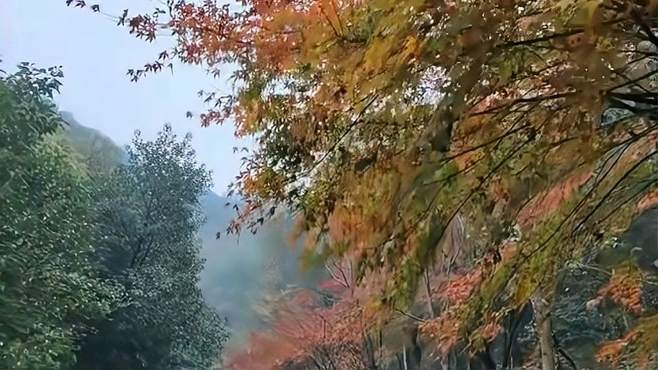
(98,150)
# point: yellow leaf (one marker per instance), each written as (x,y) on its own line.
(409,48)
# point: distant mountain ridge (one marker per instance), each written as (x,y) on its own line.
(98,150)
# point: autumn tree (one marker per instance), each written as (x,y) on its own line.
(326,328)
(381,122)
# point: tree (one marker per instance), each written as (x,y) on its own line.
(49,289)
(325,328)
(381,122)
(148,219)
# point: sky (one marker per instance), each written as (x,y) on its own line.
(95,55)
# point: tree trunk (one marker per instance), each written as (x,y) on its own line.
(516,320)
(541,304)
(444,364)
(428,293)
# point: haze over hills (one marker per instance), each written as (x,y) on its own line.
(237,270)
(240,270)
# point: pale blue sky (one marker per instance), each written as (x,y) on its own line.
(95,55)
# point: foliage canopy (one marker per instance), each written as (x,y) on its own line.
(380,123)
(49,290)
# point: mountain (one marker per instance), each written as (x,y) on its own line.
(98,151)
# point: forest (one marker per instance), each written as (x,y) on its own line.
(460,185)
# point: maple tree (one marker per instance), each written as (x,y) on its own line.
(381,122)
(328,328)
